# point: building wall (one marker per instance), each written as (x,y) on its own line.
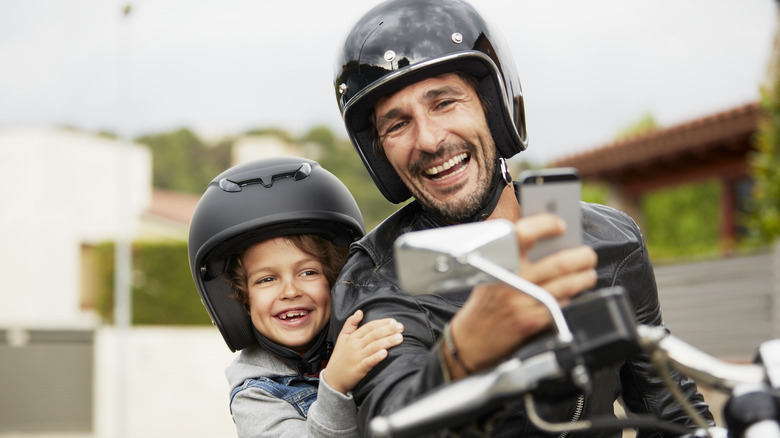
(61,189)
(174,383)
(146,382)
(725,307)
(253,147)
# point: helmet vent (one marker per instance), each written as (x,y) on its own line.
(303,172)
(297,172)
(228,185)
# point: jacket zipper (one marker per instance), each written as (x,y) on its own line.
(577,414)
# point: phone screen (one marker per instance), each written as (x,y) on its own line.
(555,191)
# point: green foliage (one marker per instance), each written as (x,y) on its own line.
(643,125)
(321,135)
(763,222)
(594,193)
(163,292)
(274,132)
(340,158)
(682,221)
(182,162)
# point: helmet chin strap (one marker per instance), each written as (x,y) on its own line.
(501,179)
(308,364)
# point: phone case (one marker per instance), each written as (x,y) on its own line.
(556,191)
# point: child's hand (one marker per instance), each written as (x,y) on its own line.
(358,350)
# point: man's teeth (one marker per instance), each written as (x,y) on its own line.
(446,165)
(293,314)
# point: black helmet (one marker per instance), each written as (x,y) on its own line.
(400,42)
(255,201)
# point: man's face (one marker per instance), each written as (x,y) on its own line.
(435,135)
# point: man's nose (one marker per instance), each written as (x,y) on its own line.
(430,134)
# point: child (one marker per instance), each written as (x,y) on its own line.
(267,241)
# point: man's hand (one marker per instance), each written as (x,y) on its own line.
(496,320)
(358,350)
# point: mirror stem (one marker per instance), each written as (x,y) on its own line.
(540,294)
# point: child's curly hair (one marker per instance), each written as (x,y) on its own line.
(331,256)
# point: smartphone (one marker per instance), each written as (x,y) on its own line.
(557,191)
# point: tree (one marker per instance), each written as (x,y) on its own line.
(764,217)
(645,124)
(339,158)
(678,221)
(321,135)
(181,161)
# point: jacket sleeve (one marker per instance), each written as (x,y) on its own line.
(642,388)
(333,414)
(412,368)
(258,414)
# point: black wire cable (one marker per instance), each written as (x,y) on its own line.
(603,423)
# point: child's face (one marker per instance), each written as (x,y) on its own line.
(289,296)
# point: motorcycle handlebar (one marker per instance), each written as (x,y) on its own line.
(442,407)
(697,364)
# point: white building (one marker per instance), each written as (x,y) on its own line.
(62,189)
(63,372)
(253,147)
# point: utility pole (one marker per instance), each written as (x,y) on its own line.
(123,244)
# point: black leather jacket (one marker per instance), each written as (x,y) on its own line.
(368,282)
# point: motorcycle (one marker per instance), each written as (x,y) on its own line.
(593,331)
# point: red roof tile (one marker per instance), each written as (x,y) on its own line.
(692,137)
(175,206)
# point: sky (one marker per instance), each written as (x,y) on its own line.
(222,67)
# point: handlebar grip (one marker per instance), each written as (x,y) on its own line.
(763,429)
(697,364)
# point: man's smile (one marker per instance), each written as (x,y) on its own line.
(454,165)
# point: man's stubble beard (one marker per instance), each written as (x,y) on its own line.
(473,201)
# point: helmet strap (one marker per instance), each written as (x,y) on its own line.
(501,179)
(310,364)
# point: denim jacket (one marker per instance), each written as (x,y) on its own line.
(300,392)
(269,399)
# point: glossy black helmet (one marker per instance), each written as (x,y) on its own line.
(255,201)
(400,42)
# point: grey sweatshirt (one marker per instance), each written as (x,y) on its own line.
(258,414)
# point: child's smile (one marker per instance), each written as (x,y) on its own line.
(289,296)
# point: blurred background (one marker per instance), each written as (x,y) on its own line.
(114,116)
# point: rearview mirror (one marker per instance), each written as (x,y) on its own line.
(434,261)
(459,257)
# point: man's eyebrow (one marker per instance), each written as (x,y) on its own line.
(386,118)
(443,90)
(429,95)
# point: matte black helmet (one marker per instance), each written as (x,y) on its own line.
(400,42)
(255,201)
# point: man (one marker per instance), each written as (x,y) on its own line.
(432,103)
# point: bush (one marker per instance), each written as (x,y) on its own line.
(163,292)
(682,221)
(763,222)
